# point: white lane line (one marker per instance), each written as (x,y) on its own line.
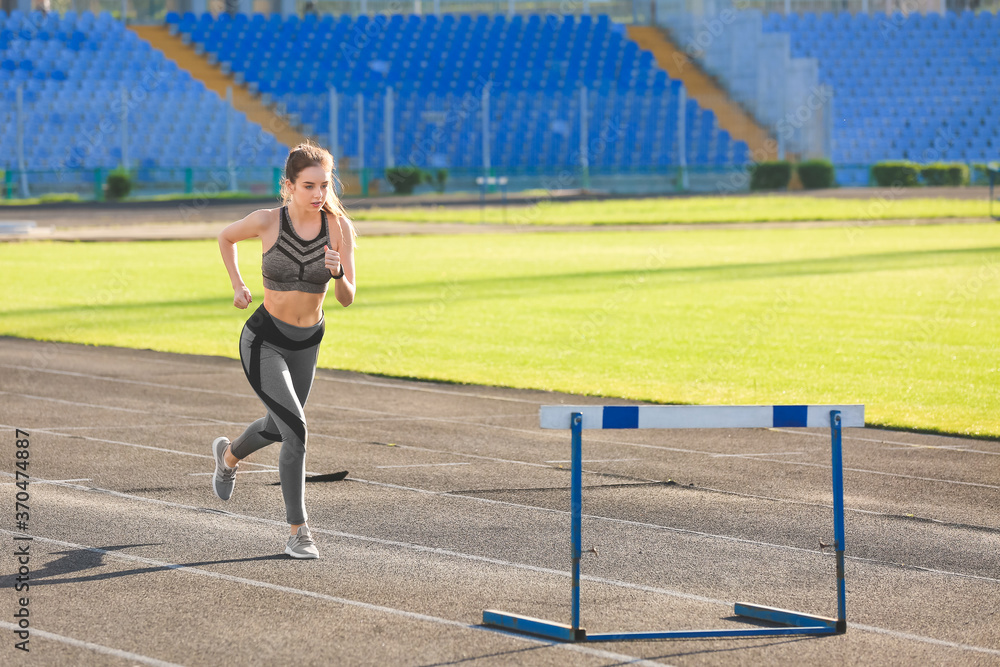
(456,554)
(879,441)
(492,459)
(689,451)
(799,463)
(270,471)
(270,468)
(885,474)
(425,465)
(597,461)
(77,436)
(91,376)
(381,609)
(97,648)
(459,393)
(591,439)
(559,433)
(382,415)
(35,480)
(138,446)
(672,529)
(111,407)
(927,640)
(383,385)
(429,390)
(315,435)
(750,456)
(396,417)
(170,426)
(534,568)
(504,503)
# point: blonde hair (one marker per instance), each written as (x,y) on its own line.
(308,155)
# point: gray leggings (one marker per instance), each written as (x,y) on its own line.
(279,360)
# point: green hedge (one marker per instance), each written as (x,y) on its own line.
(119,184)
(942,173)
(902,173)
(980,174)
(770,175)
(404,179)
(816,174)
(439,179)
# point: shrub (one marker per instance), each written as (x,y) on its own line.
(902,173)
(770,175)
(980,174)
(815,174)
(440,178)
(404,179)
(942,173)
(119,184)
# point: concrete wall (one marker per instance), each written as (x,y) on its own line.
(755,67)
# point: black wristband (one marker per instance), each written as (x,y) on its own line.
(341,274)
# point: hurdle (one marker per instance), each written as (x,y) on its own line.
(578,418)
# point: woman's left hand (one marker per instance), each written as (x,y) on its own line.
(332,261)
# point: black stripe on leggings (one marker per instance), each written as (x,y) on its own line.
(281,411)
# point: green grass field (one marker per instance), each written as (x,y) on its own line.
(903,319)
(690,210)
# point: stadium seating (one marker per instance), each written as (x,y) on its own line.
(73,67)
(917,87)
(437,67)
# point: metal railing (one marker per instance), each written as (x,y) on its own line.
(198,183)
(644,12)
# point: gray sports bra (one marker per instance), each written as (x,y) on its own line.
(294,264)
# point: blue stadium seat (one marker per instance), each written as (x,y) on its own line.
(901,116)
(537,64)
(71,92)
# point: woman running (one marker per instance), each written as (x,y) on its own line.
(303,249)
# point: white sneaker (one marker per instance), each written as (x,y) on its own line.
(301,544)
(224,478)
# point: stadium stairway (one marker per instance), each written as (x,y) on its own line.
(733,118)
(174,48)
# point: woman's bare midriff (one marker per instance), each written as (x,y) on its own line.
(301,309)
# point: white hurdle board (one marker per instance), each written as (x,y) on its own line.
(700,416)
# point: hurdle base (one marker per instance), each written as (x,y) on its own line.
(791,618)
(709,634)
(795,623)
(534,626)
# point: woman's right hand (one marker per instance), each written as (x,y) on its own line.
(241,297)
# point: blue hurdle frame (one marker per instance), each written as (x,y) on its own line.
(795,623)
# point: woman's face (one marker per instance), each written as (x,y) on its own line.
(309,191)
